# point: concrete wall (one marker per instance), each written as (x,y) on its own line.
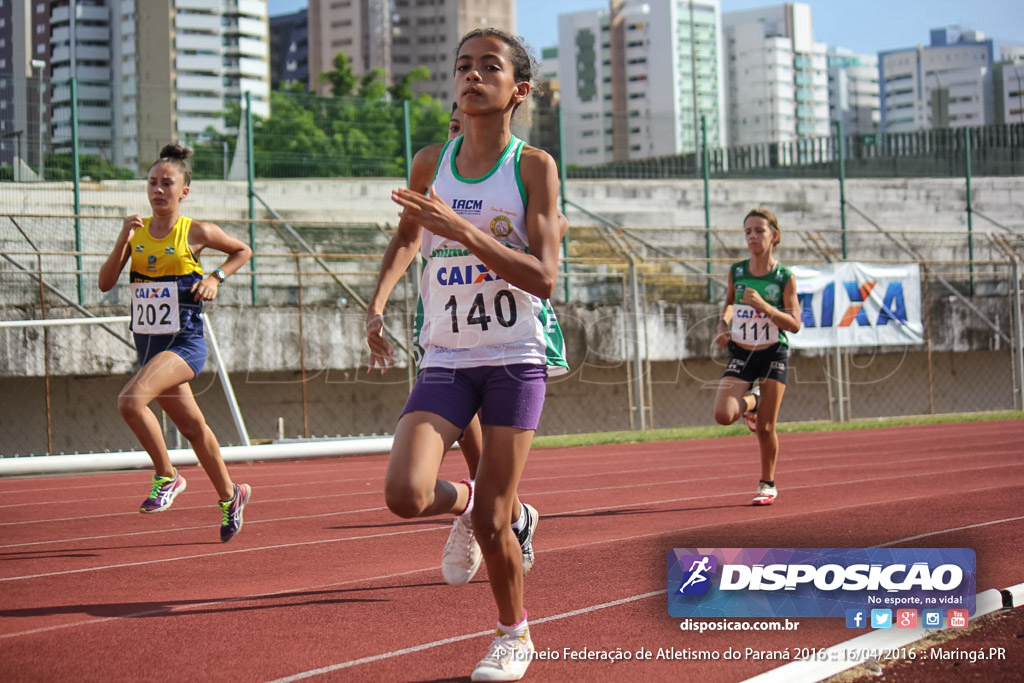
(932,203)
(970,369)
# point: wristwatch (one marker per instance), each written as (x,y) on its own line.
(219,274)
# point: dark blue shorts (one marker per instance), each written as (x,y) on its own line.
(771,362)
(506,396)
(191,348)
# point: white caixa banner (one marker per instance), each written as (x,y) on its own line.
(858,304)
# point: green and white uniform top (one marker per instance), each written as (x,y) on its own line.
(750,328)
(468,315)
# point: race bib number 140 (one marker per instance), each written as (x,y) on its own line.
(155,308)
(472,307)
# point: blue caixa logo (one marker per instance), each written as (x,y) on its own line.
(696,579)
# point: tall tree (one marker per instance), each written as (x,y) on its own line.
(342,78)
(402,89)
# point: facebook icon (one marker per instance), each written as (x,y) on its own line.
(856,618)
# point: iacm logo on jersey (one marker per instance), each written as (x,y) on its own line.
(468,207)
(807,582)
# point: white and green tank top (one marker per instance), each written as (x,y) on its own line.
(750,328)
(468,315)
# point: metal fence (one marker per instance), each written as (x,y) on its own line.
(638,301)
(638,325)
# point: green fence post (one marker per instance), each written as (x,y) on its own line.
(842,184)
(561,185)
(407,128)
(970,208)
(250,173)
(707,202)
(76,169)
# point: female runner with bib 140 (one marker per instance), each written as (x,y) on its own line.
(168,290)
(484,205)
(761,306)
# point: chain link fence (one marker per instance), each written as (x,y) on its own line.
(639,331)
(642,281)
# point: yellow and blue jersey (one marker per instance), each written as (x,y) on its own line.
(162,262)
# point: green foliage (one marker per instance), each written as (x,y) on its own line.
(341,78)
(402,90)
(60,166)
(709,432)
(308,136)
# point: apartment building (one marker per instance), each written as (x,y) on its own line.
(359,28)
(777,75)
(289,49)
(149,71)
(427,32)
(853,91)
(947,83)
(638,78)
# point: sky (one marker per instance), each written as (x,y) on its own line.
(864,26)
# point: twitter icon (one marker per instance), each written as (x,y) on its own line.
(881,618)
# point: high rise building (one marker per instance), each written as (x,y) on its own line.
(777,75)
(945,84)
(853,91)
(427,32)
(637,78)
(81,42)
(289,49)
(359,28)
(1008,86)
(24,76)
(153,71)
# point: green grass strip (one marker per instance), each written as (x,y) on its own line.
(740,429)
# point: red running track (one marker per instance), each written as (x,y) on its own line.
(324,583)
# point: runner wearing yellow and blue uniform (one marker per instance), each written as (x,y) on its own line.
(165,314)
(167,290)
(761,306)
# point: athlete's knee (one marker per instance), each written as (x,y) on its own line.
(405,500)
(765,428)
(725,416)
(488,531)
(193,428)
(129,405)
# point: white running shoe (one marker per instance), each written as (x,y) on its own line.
(525,536)
(506,660)
(461,557)
(766,494)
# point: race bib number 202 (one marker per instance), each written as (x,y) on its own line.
(155,308)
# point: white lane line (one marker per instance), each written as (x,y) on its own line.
(225,552)
(192,528)
(950,530)
(211,603)
(585,510)
(805,442)
(859,464)
(531,495)
(440,643)
(604,541)
(456,639)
